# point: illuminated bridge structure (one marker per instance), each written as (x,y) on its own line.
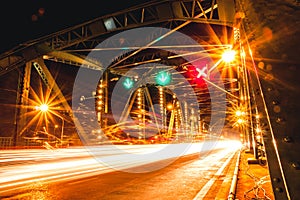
(218,26)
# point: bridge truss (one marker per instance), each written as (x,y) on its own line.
(246,99)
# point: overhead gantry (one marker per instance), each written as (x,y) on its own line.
(71,45)
(87,35)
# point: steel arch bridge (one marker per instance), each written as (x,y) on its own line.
(217,25)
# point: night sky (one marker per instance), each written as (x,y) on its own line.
(25,20)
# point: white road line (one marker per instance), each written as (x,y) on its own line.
(202,193)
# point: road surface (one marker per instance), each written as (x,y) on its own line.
(75,173)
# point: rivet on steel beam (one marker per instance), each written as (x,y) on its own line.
(276,180)
(269,89)
(261,65)
(280,120)
(269,77)
(257,92)
(287,139)
(296,165)
(269,67)
(278,189)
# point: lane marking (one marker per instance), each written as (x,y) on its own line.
(202,193)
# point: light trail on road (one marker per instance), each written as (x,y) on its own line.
(18,168)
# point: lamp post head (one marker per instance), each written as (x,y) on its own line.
(228,56)
(43,108)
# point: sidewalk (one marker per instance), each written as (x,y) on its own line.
(253,180)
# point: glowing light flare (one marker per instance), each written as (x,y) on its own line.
(239,113)
(258,130)
(234,144)
(240,121)
(170,106)
(228,56)
(44,107)
(258,137)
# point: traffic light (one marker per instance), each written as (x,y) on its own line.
(128,83)
(163,78)
(196,74)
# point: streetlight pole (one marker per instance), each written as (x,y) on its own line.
(45,108)
(62,130)
(55,127)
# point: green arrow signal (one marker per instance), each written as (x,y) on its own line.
(163,78)
(128,83)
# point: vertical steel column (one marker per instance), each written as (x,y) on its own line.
(226,10)
(22,103)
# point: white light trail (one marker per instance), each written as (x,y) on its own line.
(19,168)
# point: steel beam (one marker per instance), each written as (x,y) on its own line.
(22,100)
(89,34)
(49,81)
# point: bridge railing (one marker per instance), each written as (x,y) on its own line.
(6,142)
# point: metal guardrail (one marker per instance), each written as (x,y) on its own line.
(232,191)
(6,142)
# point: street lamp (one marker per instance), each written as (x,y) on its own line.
(45,108)
(62,130)
(228,56)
